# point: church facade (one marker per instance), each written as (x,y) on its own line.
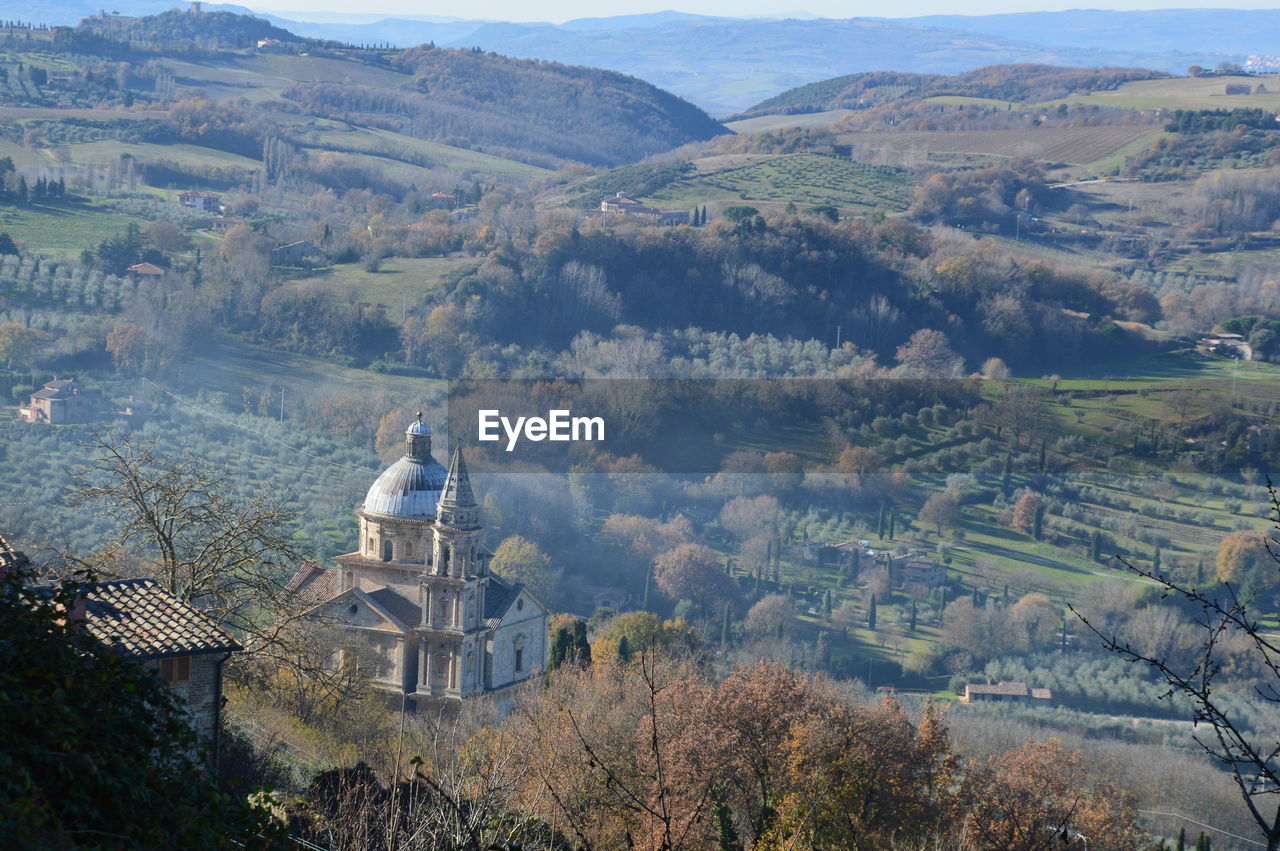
(419,593)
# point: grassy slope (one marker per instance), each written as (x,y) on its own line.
(1183,93)
(62,229)
(398,279)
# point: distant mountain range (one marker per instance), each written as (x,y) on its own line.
(727,64)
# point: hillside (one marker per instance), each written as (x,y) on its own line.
(538,113)
(1013,83)
(171,28)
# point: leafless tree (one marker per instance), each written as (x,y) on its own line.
(180,521)
(1226,620)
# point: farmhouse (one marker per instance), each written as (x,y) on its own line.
(1006,691)
(198,199)
(625,205)
(293,254)
(144,270)
(62,402)
(419,595)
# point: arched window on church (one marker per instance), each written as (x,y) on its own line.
(351,581)
(372,548)
(445,559)
(408,551)
(386,550)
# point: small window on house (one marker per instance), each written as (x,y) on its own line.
(520,605)
(519,659)
(176,669)
(353,610)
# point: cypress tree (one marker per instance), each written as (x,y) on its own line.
(1037,523)
(913,615)
(893,518)
(648,579)
(871,614)
(822,651)
(726,833)
(1182,839)
(726,626)
(624,649)
(826,603)
(1095,546)
(1155,560)
(580,647)
(880,523)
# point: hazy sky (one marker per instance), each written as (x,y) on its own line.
(557,11)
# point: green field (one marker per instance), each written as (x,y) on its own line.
(804,179)
(62,229)
(398,281)
(1183,93)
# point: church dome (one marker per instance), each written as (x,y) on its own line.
(410,487)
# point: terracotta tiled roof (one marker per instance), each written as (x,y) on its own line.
(138,617)
(1008,689)
(313,583)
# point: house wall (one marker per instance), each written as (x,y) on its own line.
(202,693)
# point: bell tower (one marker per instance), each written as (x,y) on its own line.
(453,590)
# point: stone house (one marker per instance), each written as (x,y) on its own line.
(1006,692)
(198,199)
(62,402)
(185,648)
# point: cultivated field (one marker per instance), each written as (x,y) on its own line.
(763,123)
(1071,145)
(804,179)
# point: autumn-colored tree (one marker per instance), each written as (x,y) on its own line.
(128,345)
(1243,561)
(865,776)
(940,509)
(693,572)
(772,615)
(520,560)
(1036,797)
(645,632)
(929,353)
(983,631)
(860,461)
(746,516)
(1025,511)
(19,345)
(1036,621)
(786,471)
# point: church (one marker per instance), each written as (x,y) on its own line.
(419,593)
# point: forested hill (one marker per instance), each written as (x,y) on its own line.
(175,28)
(1019,83)
(512,105)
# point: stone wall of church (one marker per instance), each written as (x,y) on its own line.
(522,637)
